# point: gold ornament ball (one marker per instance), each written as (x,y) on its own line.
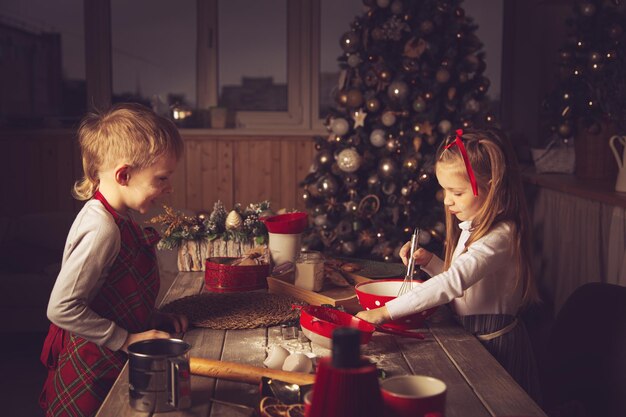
(442,76)
(342,98)
(355,98)
(388,118)
(439,196)
(372,104)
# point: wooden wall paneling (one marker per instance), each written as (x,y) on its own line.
(209,174)
(178,198)
(242,170)
(262,184)
(277,195)
(49,182)
(288,177)
(78,171)
(225,172)
(11,203)
(193,185)
(66,174)
(31,178)
(5,196)
(304,158)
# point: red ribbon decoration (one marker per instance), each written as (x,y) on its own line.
(470,172)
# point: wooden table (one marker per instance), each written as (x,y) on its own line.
(477,385)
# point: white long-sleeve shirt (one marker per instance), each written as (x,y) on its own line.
(92,246)
(479,281)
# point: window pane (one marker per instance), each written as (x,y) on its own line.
(336,17)
(487,14)
(42,63)
(154,52)
(252,47)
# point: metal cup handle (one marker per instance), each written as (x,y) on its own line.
(179,384)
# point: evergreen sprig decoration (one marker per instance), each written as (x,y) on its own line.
(180,227)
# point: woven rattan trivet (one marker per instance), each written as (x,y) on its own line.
(229,311)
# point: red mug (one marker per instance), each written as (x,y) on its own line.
(413,396)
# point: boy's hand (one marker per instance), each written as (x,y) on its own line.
(170,322)
(375,316)
(421,255)
(137,337)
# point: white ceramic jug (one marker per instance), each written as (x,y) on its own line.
(620,184)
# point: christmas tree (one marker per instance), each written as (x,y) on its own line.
(591,86)
(412,72)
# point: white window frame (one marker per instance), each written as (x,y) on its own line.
(299,69)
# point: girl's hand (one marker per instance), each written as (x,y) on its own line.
(169,322)
(421,255)
(375,316)
(137,337)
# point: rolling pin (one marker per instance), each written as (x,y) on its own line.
(245,373)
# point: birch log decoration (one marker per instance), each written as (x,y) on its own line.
(193,253)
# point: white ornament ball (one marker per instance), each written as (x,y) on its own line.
(233,220)
(388,118)
(349,160)
(354,60)
(377,138)
(444,127)
(276,357)
(423,238)
(440,227)
(298,362)
(339,126)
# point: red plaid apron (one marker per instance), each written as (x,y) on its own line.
(81,373)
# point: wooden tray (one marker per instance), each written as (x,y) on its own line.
(335,296)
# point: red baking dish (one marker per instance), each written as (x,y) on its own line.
(376,293)
(319,322)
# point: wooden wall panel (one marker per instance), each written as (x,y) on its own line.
(38,170)
(225,173)
(208,150)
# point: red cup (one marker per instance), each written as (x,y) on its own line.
(308,397)
(413,396)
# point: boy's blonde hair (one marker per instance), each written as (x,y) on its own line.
(497,173)
(127,133)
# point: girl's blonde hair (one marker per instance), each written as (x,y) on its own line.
(497,173)
(127,133)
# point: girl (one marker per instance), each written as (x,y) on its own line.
(486,274)
(104,297)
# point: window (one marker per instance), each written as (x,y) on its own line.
(335,19)
(42,63)
(271,64)
(154,52)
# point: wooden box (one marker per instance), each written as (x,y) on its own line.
(335,296)
(192,254)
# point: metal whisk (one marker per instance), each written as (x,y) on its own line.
(407,285)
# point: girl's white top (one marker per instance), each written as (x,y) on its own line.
(92,246)
(480,280)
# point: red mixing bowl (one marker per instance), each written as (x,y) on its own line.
(376,293)
(319,322)
(286,224)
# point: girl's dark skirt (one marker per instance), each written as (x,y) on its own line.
(513,350)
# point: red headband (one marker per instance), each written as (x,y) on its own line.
(470,172)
